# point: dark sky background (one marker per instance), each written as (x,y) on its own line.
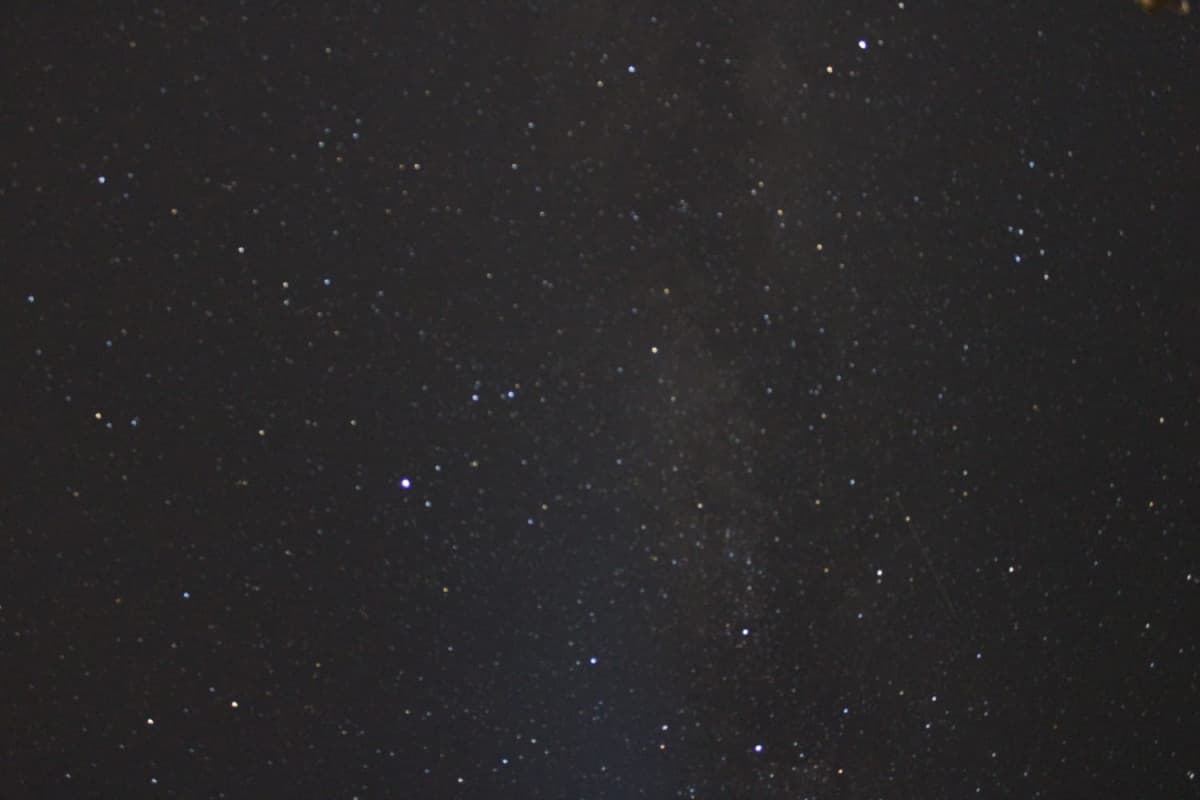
(600,400)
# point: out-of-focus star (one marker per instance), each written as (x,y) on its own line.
(1179,7)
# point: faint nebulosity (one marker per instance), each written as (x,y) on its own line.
(594,400)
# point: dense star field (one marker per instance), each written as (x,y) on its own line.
(600,400)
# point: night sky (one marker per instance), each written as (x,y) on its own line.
(600,400)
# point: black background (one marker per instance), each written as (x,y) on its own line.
(839,400)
